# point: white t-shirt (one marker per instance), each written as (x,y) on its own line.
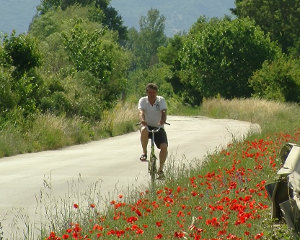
(152,112)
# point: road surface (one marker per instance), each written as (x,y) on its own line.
(31,184)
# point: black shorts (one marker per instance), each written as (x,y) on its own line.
(159,137)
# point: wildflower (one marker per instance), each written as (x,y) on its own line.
(159,223)
(75,205)
(222,232)
(97,227)
(213,222)
(132,219)
(158,236)
(92,205)
(139,231)
(120,233)
(178,234)
(53,236)
(258,236)
(194,194)
(138,212)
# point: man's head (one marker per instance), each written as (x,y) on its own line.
(151,90)
(151,86)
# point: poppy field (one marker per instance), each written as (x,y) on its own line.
(225,198)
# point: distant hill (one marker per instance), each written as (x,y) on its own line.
(180,15)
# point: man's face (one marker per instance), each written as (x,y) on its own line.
(151,93)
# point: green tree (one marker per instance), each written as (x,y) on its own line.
(157,74)
(8,98)
(278,80)
(145,43)
(22,52)
(279,18)
(98,53)
(47,5)
(213,60)
(112,19)
(169,55)
(22,57)
(100,11)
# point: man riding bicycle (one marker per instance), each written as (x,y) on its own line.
(153,113)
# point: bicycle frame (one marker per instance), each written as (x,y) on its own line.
(152,168)
(152,161)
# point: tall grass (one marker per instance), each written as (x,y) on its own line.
(270,115)
(48,131)
(118,121)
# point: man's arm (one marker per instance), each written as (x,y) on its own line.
(142,117)
(163,116)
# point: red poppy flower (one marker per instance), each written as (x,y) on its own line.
(159,223)
(158,236)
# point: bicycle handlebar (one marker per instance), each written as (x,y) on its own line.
(153,130)
(156,129)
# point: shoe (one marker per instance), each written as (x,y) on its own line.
(143,158)
(161,175)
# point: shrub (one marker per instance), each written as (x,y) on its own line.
(22,52)
(278,80)
(213,60)
(7,96)
(156,74)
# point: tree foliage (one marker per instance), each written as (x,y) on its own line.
(84,64)
(47,5)
(21,85)
(157,74)
(279,18)
(7,95)
(22,52)
(144,44)
(100,11)
(278,80)
(169,55)
(112,19)
(98,53)
(213,60)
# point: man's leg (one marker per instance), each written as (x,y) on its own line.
(144,139)
(162,156)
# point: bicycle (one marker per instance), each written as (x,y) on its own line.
(152,168)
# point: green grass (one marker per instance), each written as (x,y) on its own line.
(48,131)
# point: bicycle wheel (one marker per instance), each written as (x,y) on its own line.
(152,167)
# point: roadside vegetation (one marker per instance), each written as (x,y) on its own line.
(76,77)
(223,198)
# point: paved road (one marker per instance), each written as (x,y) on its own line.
(28,179)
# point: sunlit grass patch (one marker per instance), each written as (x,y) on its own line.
(49,131)
(11,141)
(272,116)
(119,120)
